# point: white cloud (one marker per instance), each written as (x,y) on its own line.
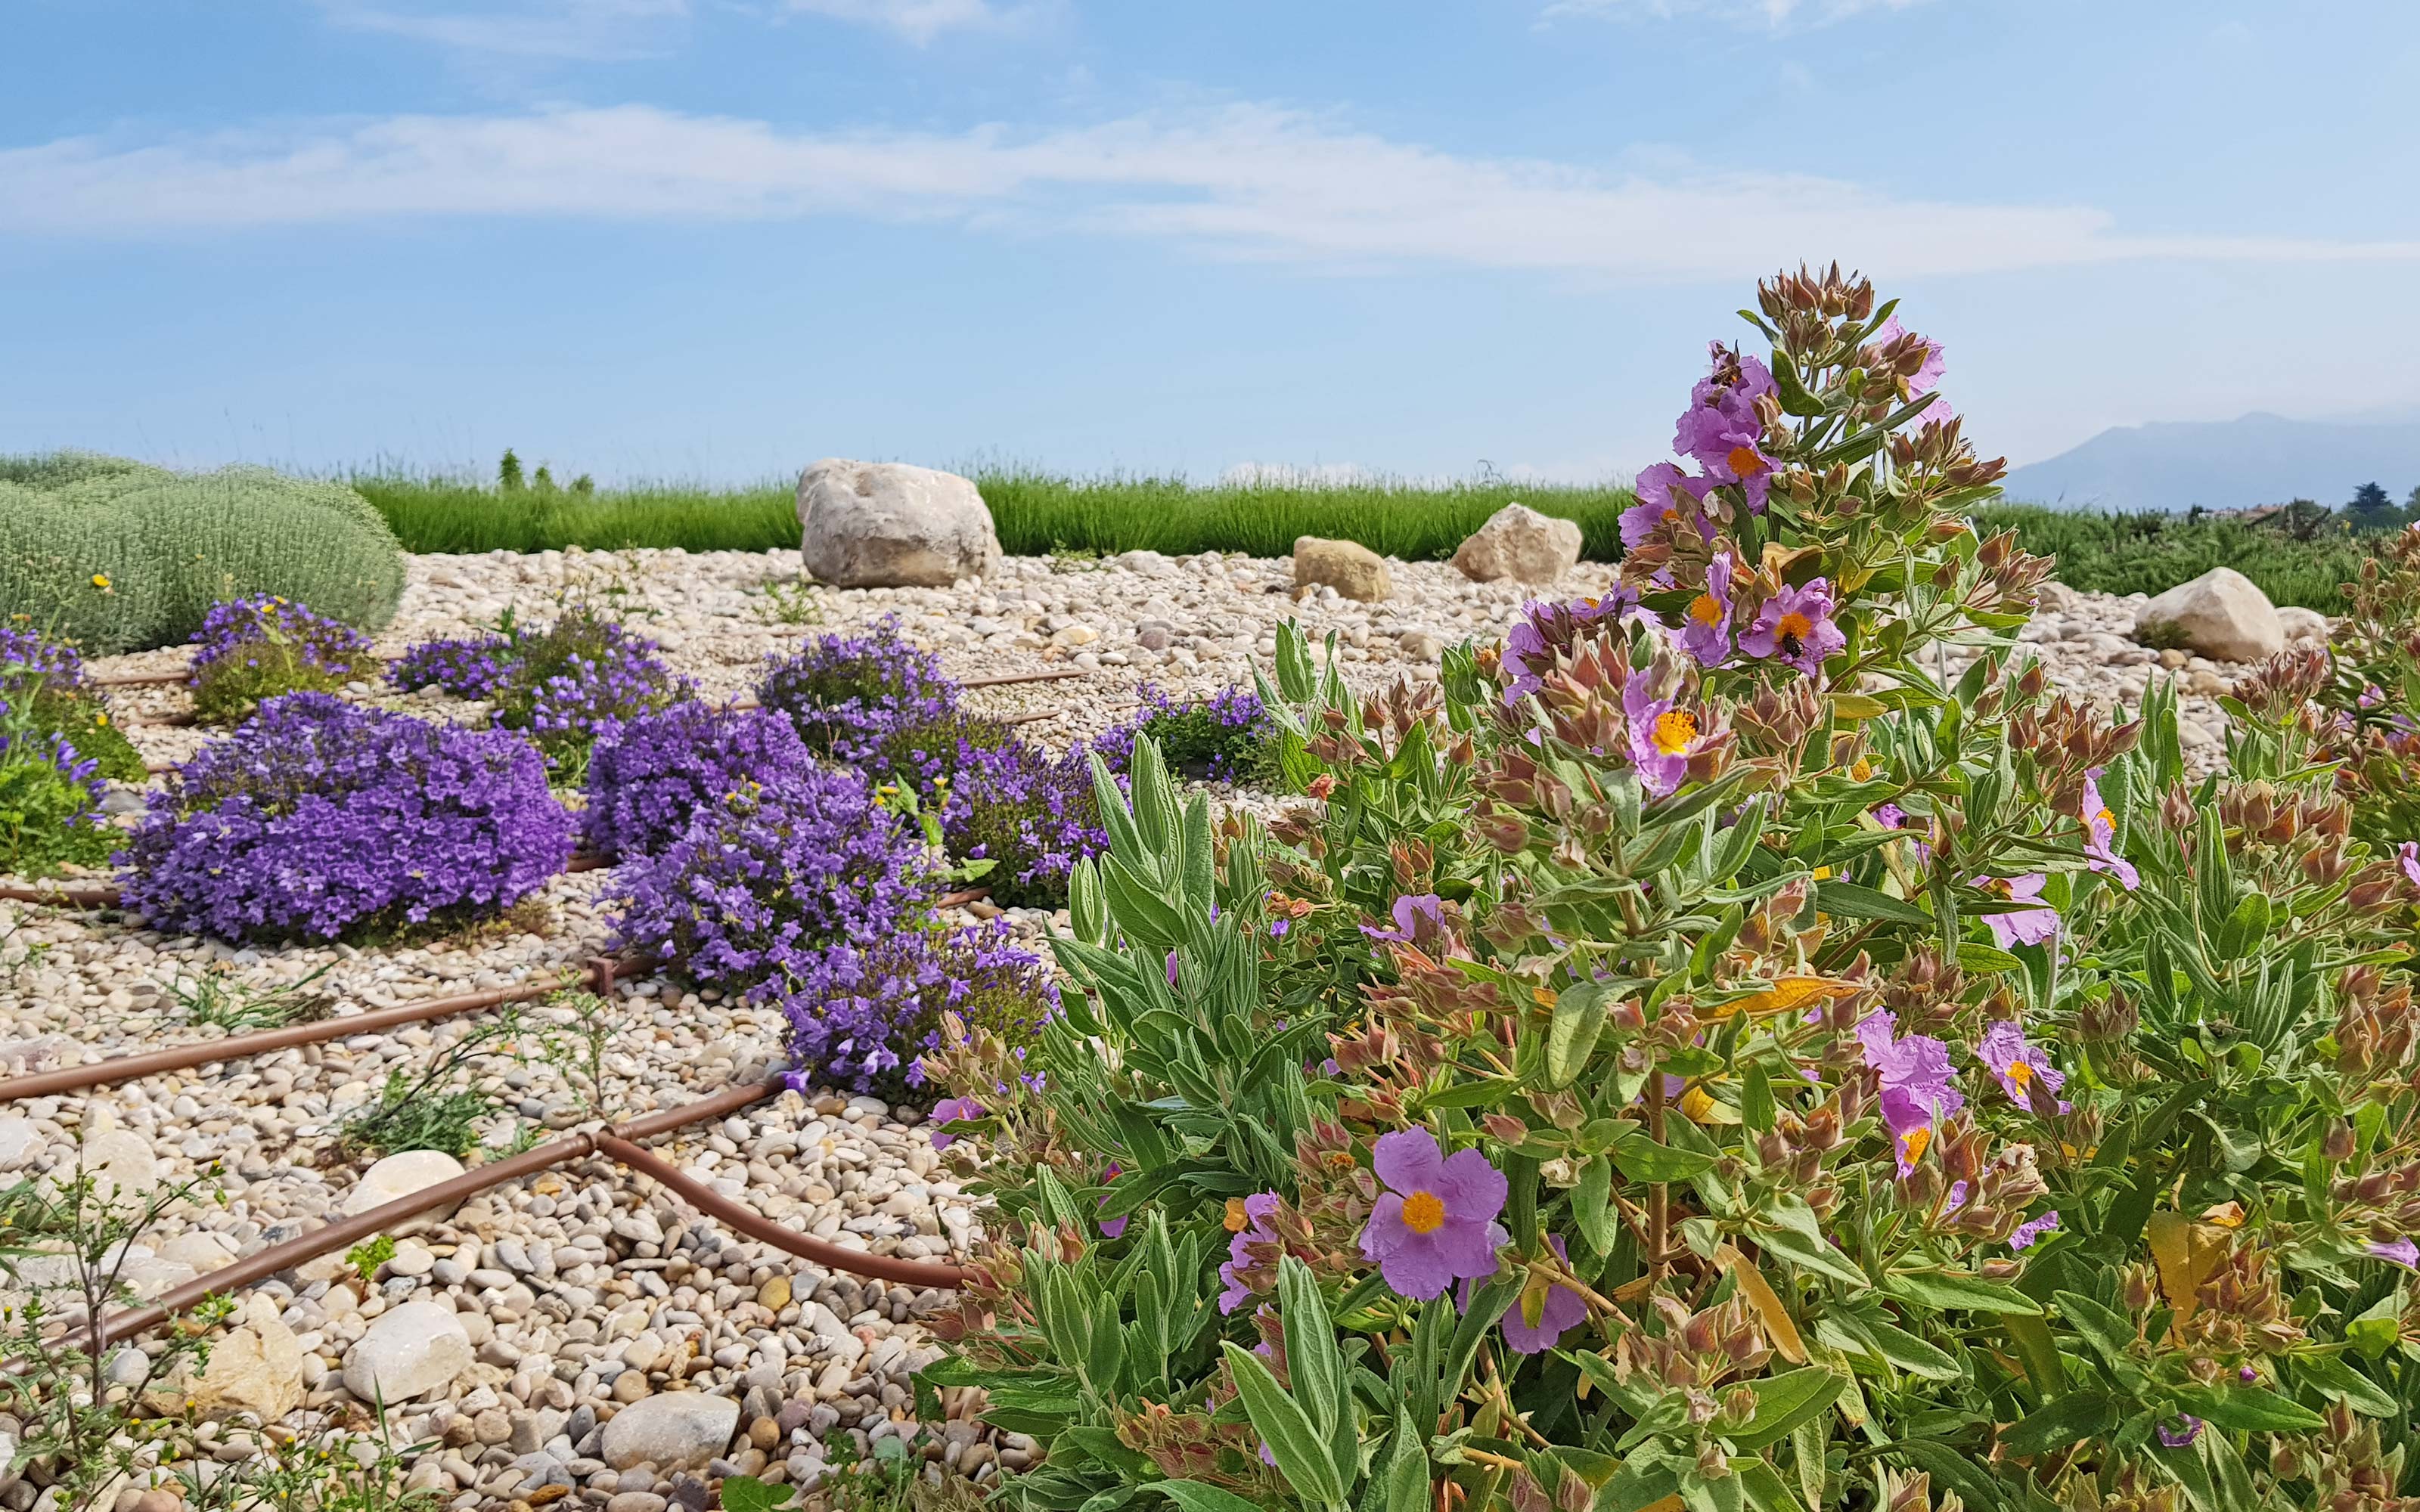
(1245,181)
(1773,14)
(918,21)
(587,31)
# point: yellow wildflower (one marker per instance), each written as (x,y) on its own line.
(100,580)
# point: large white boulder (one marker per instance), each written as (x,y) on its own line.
(888,525)
(1519,543)
(399,1175)
(256,1368)
(410,1349)
(2221,614)
(2305,625)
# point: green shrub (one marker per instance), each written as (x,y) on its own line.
(47,818)
(1700,1059)
(115,556)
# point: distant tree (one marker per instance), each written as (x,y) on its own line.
(2411,506)
(2371,510)
(509,472)
(2303,519)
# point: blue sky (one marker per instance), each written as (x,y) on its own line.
(721,238)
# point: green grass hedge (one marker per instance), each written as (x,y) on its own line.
(117,556)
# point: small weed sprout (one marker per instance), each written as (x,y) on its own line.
(366,1257)
(216,1000)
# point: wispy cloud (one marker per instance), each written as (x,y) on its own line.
(1244,182)
(1774,15)
(920,21)
(585,31)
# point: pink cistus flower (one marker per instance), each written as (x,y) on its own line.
(1927,378)
(1721,430)
(2018,1064)
(1795,625)
(2401,1251)
(2032,1230)
(1706,625)
(1919,1085)
(2101,834)
(2187,1430)
(1563,1312)
(952,1110)
(2021,926)
(1662,737)
(1236,1272)
(1410,912)
(1110,1227)
(1436,1224)
(2409,853)
(1662,490)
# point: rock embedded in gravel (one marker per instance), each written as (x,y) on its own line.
(408,1351)
(671,1431)
(2301,623)
(1349,567)
(398,1176)
(256,1367)
(888,525)
(2222,614)
(1518,543)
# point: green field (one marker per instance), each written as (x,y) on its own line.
(1038,513)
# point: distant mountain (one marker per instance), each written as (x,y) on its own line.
(2227,464)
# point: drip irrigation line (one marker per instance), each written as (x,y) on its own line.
(164,679)
(620,1141)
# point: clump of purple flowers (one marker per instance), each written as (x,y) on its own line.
(468,668)
(760,883)
(44,694)
(862,1017)
(252,649)
(851,695)
(1033,815)
(241,628)
(566,684)
(648,778)
(320,819)
(28,655)
(1228,738)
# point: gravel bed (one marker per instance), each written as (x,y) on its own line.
(583,1294)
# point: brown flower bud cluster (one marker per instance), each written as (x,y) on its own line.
(2240,1313)
(2066,739)
(1796,1152)
(1692,1352)
(2376,1030)
(1190,1446)
(2281,687)
(2347,1467)
(1975,1192)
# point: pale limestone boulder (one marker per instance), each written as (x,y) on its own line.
(1520,544)
(257,1369)
(399,1175)
(2221,614)
(888,525)
(2301,623)
(671,1431)
(1347,566)
(408,1351)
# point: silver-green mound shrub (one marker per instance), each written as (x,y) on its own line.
(117,556)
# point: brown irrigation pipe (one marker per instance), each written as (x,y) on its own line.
(108,895)
(116,1069)
(757,1227)
(602,972)
(618,1142)
(162,679)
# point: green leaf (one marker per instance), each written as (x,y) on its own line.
(2339,1381)
(1191,1495)
(1755,1098)
(1909,1352)
(1579,1019)
(1592,1204)
(1485,1094)
(1785,1401)
(1302,1455)
(2072,1419)
(1406,1480)
(1946,1288)
(2110,1334)
(746,1493)
(1849,901)
(1642,1159)
(2254,1408)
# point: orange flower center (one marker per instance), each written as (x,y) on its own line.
(1424,1212)
(1914,1143)
(1796,626)
(1746,461)
(1671,517)
(1237,1219)
(2105,820)
(1675,729)
(1706,610)
(2020,1073)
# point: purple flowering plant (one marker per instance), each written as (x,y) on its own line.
(317,819)
(47,695)
(563,685)
(252,649)
(1755,1071)
(648,777)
